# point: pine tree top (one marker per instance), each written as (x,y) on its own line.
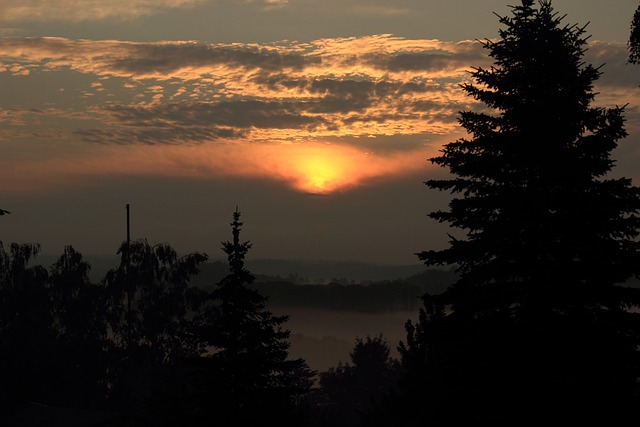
(528,183)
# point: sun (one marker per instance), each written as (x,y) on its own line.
(320,174)
(326,169)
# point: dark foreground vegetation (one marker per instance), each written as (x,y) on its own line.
(538,326)
(145,347)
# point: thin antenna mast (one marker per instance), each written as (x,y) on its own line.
(127,279)
(128,283)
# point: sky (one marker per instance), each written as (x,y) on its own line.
(315,118)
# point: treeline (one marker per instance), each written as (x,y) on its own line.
(144,346)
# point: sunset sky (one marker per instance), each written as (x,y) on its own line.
(315,117)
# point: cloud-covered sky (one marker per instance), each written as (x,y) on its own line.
(315,117)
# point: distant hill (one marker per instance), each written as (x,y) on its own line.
(297,271)
(323,272)
(318,271)
(334,285)
(397,294)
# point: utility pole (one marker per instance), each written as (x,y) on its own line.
(128,283)
(129,370)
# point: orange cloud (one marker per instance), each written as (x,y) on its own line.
(286,91)
(209,111)
(236,64)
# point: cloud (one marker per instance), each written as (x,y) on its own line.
(156,59)
(612,57)
(187,92)
(160,60)
(275,4)
(383,95)
(86,10)
(371,55)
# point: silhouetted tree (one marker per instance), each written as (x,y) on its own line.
(536,324)
(159,332)
(25,328)
(80,324)
(4,212)
(252,378)
(350,390)
(634,38)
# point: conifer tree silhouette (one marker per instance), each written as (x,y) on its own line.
(255,380)
(634,38)
(537,322)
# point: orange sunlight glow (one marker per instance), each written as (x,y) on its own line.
(320,175)
(313,168)
(321,170)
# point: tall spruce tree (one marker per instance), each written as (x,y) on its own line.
(538,323)
(253,378)
(634,38)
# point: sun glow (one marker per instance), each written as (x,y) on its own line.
(313,168)
(320,175)
(330,168)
